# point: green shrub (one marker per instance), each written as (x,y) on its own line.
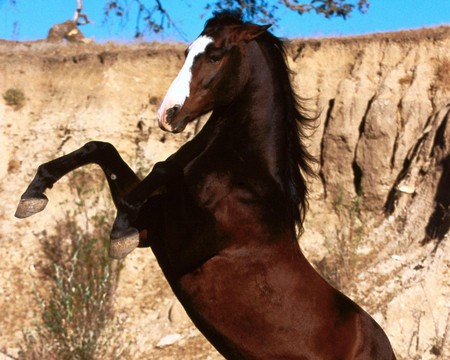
(15,98)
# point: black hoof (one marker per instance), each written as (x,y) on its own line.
(31,206)
(123,244)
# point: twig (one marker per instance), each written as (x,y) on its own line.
(79,15)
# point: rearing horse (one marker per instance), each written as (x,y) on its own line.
(222,213)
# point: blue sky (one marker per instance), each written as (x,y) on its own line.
(31,19)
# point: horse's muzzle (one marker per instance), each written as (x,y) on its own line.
(171,113)
(167,121)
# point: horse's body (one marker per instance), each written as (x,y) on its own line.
(221,213)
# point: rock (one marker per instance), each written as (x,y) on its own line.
(67,30)
(177,314)
(169,340)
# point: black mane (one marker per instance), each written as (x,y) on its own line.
(225,18)
(297,125)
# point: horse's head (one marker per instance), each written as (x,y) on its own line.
(213,73)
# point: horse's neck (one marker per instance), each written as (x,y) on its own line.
(253,124)
(265,115)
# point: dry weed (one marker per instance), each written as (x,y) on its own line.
(77,310)
(442,74)
(341,266)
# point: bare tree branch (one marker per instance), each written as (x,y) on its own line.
(153,17)
(264,10)
(328,8)
(79,15)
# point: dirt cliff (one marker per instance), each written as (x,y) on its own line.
(379,210)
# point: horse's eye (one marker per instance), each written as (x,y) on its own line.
(215,58)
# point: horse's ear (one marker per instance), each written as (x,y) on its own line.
(249,32)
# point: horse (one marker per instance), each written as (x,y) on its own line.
(223,213)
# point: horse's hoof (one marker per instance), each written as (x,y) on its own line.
(125,244)
(28,207)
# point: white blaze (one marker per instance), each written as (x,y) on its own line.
(179,89)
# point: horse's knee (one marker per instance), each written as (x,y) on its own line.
(95,145)
(100,152)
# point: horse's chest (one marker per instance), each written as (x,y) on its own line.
(233,205)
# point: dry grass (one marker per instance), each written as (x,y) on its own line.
(341,266)
(407,36)
(442,74)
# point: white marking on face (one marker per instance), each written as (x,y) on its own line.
(179,89)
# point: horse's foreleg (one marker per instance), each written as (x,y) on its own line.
(164,174)
(120,177)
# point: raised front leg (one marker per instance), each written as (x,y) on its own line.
(120,177)
(166,173)
(163,174)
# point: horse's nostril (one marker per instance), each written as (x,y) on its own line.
(170,113)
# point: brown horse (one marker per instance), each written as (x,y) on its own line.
(222,214)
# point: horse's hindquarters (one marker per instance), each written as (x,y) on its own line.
(266,302)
